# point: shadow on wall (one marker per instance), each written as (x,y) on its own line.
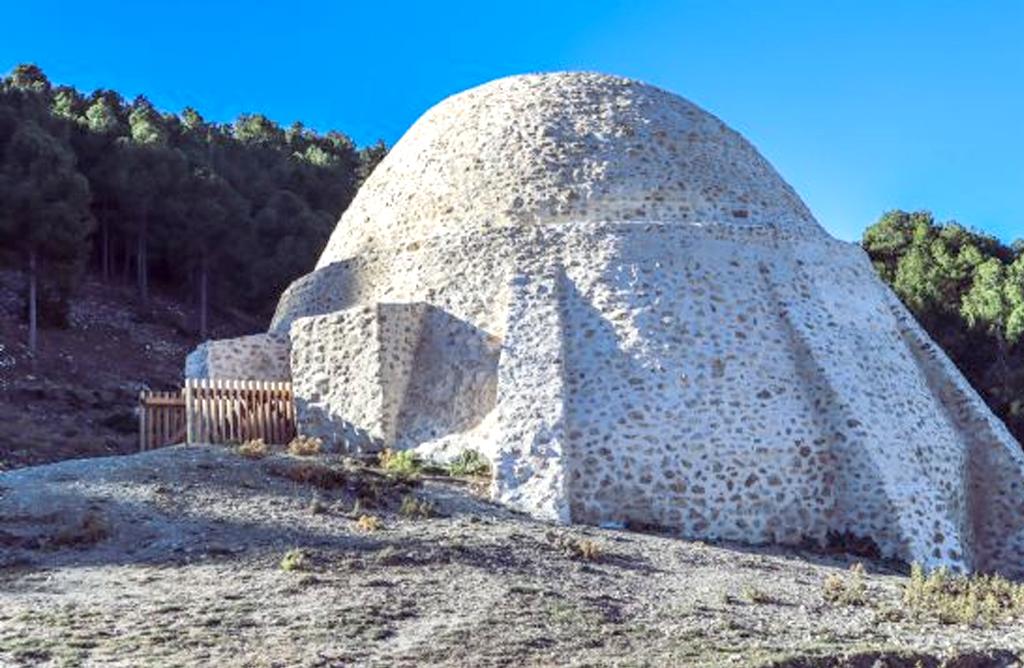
(337,433)
(603,382)
(332,288)
(394,376)
(453,382)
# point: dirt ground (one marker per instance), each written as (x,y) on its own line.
(181,557)
(80,397)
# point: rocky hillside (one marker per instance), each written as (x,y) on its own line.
(79,401)
(205,557)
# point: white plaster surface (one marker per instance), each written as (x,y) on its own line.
(626,307)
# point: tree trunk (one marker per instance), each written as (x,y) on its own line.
(127,272)
(142,267)
(32,312)
(105,251)
(204,297)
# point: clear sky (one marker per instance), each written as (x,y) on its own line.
(862,105)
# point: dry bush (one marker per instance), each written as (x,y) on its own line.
(315,474)
(254,449)
(575,548)
(89,530)
(417,508)
(977,600)
(305,446)
(846,591)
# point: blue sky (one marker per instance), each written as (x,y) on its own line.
(862,105)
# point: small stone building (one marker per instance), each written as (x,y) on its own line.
(612,295)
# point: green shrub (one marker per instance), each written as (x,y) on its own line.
(470,463)
(295,559)
(404,464)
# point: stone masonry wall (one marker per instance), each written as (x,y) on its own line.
(255,357)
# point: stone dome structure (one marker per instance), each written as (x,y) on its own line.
(616,299)
(558,148)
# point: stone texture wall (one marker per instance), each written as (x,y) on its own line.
(255,357)
(561,147)
(337,379)
(724,382)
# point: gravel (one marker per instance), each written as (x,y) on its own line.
(172,557)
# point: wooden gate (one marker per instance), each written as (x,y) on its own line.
(234,411)
(161,419)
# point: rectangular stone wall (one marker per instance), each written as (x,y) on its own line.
(336,379)
(255,357)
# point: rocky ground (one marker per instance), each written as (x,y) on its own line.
(203,557)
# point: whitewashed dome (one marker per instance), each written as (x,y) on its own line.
(565,147)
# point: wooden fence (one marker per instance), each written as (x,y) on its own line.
(233,411)
(217,411)
(161,419)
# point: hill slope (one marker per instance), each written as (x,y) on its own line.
(80,400)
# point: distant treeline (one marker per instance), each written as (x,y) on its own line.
(226,213)
(967,290)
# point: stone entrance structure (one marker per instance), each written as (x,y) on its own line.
(613,296)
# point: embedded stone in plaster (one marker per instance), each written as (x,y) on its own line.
(254,357)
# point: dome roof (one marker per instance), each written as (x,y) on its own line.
(565,147)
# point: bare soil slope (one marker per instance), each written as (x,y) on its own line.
(174,557)
(79,401)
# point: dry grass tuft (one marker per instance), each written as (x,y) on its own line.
(852,590)
(315,474)
(253,449)
(368,523)
(91,529)
(305,446)
(417,508)
(755,595)
(575,548)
